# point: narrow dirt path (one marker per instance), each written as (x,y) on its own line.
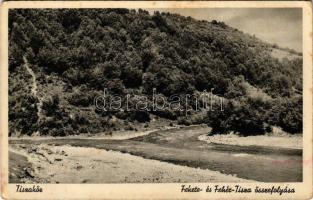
(34,88)
(33,75)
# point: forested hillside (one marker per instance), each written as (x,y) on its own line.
(75,53)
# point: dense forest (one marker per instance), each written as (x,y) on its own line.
(75,53)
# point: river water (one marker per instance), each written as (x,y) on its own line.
(182,147)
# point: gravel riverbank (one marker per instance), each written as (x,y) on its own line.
(67,164)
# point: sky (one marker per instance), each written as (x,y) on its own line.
(282,26)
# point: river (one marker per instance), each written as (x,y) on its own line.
(182,147)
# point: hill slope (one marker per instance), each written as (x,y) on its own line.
(77,53)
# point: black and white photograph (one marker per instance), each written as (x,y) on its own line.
(175,91)
(156,95)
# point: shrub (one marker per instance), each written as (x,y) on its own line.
(184,121)
(82,97)
(239,117)
(140,116)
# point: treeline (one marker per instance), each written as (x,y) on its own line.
(132,51)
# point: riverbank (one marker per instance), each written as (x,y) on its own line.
(116,135)
(174,148)
(67,164)
(285,141)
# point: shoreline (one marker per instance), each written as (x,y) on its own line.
(168,150)
(284,142)
(116,135)
(62,164)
